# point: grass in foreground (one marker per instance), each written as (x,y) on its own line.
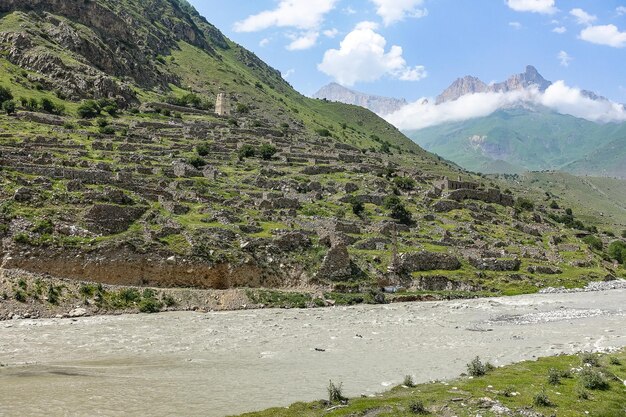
(566,386)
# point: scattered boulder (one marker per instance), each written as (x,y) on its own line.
(292,241)
(544,269)
(23,195)
(77,312)
(444,206)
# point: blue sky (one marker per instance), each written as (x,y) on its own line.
(582,42)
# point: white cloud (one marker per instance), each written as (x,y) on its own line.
(564,58)
(331,33)
(621,10)
(569,100)
(393,11)
(582,17)
(560,30)
(303,41)
(604,35)
(558,97)
(535,6)
(362,57)
(264,42)
(301,14)
(289,73)
(349,10)
(515,25)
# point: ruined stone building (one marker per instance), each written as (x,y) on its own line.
(222,105)
(450,185)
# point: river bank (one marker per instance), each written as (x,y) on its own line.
(223,363)
(26,295)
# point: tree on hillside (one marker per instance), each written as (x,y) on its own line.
(5,94)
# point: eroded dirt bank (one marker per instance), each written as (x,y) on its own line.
(224,363)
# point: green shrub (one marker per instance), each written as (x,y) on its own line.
(50,106)
(246,151)
(325,133)
(614,361)
(267,151)
(88,109)
(554,205)
(541,399)
(150,305)
(111,109)
(129,296)
(5,94)
(508,391)
(594,242)
(358,208)
(203,149)
(8,107)
(335,392)
(589,358)
(68,125)
(404,183)
(582,393)
(593,379)
(524,204)
(554,376)
(617,251)
(408,381)
(19,296)
(397,210)
(53,295)
(477,368)
(417,407)
(33,104)
(196,162)
(107,130)
(243,108)
(169,301)
(43,227)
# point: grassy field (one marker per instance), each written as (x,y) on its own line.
(565,386)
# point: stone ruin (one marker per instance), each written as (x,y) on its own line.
(222,105)
(459,190)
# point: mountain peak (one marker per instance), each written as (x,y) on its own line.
(377,104)
(472,85)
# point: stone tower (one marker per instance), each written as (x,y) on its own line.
(222,105)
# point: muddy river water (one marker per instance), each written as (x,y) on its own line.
(217,364)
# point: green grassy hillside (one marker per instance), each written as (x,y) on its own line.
(517,140)
(115,169)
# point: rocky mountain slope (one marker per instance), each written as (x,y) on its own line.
(379,105)
(525,136)
(472,85)
(524,139)
(147,186)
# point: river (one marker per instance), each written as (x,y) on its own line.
(216,364)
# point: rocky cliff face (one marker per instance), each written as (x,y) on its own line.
(377,104)
(461,87)
(472,85)
(89,49)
